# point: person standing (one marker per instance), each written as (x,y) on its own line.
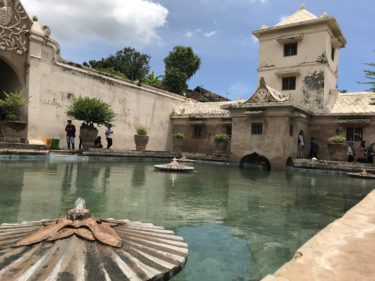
(108,135)
(70,130)
(314,148)
(350,152)
(301,145)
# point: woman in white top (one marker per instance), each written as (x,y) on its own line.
(108,135)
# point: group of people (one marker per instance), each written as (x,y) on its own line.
(365,153)
(70,130)
(314,147)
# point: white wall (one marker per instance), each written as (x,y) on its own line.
(53,86)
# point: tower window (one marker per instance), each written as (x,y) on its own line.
(289,83)
(290,49)
(332,54)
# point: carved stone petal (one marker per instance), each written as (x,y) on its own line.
(43,233)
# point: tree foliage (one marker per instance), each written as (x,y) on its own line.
(370,74)
(90,111)
(175,81)
(180,65)
(153,80)
(133,64)
(11,105)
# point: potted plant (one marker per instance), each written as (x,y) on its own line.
(178,141)
(141,138)
(221,141)
(337,147)
(91,111)
(11,128)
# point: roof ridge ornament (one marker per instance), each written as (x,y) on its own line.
(79,222)
(302,6)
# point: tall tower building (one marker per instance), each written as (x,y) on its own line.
(299,57)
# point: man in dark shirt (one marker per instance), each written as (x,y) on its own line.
(70,130)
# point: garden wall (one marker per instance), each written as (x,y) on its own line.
(53,84)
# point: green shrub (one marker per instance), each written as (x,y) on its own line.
(337,139)
(141,130)
(222,137)
(178,136)
(91,111)
(11,105)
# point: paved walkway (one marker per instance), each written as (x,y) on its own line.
(343,251)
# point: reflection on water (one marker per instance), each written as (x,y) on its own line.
(240,225)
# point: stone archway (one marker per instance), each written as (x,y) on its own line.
(255,161)
(9,81)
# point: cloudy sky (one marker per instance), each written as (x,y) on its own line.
(219,31)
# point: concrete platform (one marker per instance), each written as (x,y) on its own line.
(343,251)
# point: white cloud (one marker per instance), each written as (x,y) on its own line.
(189,34)
(254,38)
(210,34)
(126,22)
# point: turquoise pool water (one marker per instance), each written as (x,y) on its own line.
(240,224)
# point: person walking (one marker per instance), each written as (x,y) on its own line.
(70,130)
(108,135)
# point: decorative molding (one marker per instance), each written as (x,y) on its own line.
(265,94)
(14,27)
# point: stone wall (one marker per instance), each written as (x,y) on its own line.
(278,141)
(206,144)
(53,84)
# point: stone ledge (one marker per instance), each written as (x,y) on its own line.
(342,251)
(333,165)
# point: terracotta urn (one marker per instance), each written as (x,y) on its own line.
(140,142)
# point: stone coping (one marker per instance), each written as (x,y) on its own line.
(333,165)
(342,251)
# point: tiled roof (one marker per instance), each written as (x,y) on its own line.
(208,109)
(300,16)
(354,103)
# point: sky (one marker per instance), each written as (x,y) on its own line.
(219,31)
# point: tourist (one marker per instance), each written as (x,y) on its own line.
(314,148)
(70,130)
(108,135)
(98,142)
(350,152)
(370,153)
(362,152)
(301,145)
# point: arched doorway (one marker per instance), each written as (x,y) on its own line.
(9,81)
(255,161)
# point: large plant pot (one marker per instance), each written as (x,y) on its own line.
(88,136)
(140,142)
(221,147)
(337,151)
(13,131)
(177,145)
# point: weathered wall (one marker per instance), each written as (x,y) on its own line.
(276,143)
(315,71)
(324,127)
(53,84)
(206,144)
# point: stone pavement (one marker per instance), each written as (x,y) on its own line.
(343,251)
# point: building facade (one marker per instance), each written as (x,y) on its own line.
(298,72)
